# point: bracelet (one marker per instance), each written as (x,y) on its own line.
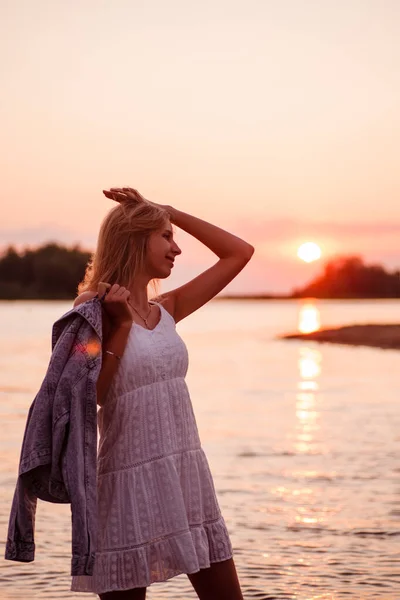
(113,354)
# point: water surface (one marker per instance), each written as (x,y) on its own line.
(302,440)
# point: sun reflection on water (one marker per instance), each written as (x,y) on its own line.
(309,364)
(309,318)
(306,435)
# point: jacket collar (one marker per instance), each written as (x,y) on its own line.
(90,310)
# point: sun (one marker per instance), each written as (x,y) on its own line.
(309,251)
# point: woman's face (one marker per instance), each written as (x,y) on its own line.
(162,250)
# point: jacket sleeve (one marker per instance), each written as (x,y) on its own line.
(80,464)
(37,453)
(20,544)
(58,461)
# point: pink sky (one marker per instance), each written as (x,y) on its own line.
(276,120)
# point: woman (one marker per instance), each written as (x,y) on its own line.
(158,514)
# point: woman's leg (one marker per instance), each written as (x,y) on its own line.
(218,582)
(135,594)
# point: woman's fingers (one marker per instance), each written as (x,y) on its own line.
(103,288)
(121,191)
(134,194)
(122,194)
(112,290)
(106,290)
(117,196)
(120,292)
(128,191)
(125,296)
(117,292)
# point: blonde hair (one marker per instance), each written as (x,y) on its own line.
(122,245)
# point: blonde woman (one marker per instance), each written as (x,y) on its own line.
(158,514)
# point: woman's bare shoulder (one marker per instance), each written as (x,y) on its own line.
(167,302)
(84,297)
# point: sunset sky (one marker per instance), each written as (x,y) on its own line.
(275,119)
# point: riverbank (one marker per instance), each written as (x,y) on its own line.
(378,336)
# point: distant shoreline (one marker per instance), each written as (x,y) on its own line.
(311,298)
(385,336)
(32,297)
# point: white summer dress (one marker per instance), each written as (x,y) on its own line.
(158,513)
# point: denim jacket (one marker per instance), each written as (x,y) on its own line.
(58,460)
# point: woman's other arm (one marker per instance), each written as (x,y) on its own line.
(116,343)
(117,323)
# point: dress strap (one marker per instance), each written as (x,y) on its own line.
(162,309)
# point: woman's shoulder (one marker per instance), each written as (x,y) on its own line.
(84,297)
(166,301)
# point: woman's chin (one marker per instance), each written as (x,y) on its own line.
(164,273)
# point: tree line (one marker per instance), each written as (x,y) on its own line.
(49,272)
(53,271)
(350,277)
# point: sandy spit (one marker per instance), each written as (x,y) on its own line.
(379,336)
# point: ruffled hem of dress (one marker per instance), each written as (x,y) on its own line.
(157,561)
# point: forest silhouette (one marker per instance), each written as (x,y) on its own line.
(349,277)
(53,272)
(50,272)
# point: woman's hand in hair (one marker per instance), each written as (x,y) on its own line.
(115,300)
(123,194)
